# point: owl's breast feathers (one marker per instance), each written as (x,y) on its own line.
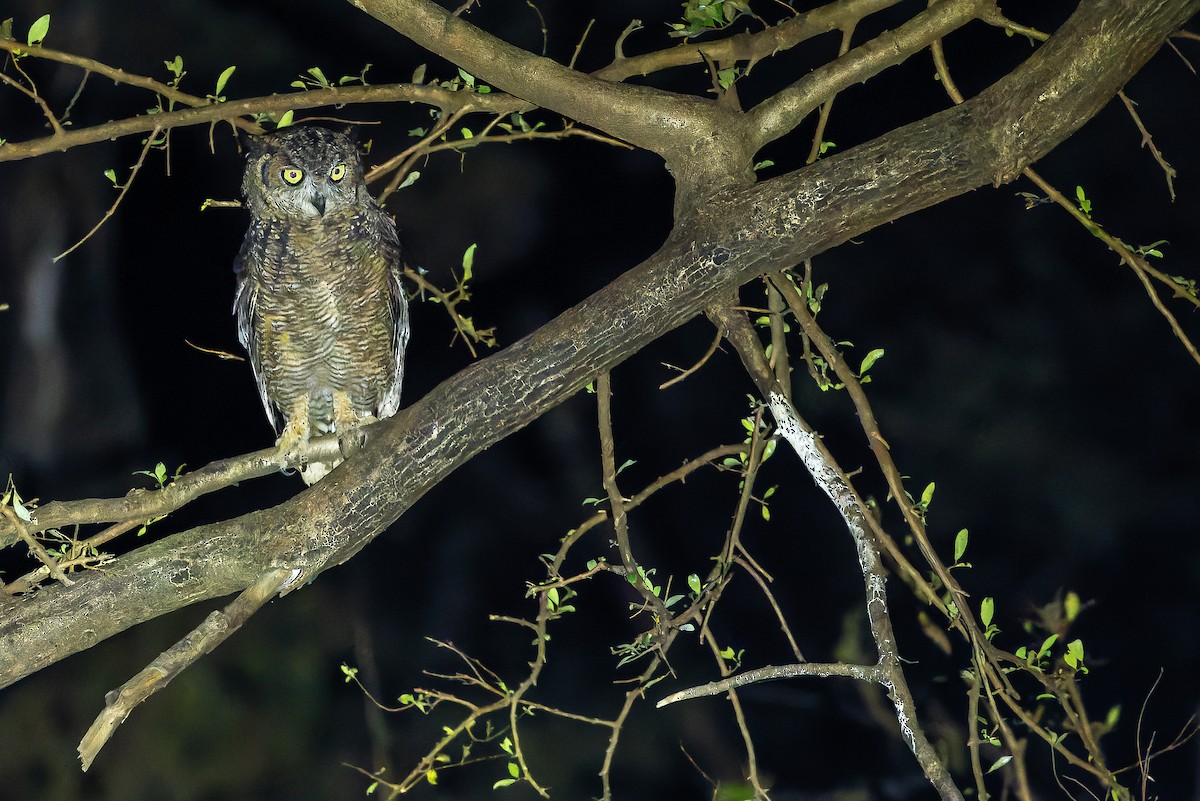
(321,311)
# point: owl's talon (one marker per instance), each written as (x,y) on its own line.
(294,437)
(353,438)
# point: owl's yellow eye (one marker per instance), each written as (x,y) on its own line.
(292,175)
(337,173)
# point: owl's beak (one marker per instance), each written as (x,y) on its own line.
(318,203)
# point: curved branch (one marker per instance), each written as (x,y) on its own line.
(689,132)
(782,112)
(233,111)
(731,239)
(751,47)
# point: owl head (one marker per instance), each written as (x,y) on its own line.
(302,172)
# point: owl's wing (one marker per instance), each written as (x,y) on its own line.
(245,307)
(390,252)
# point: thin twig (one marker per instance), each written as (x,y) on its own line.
(579,44)
(683,374)
(1148,142)
(137,165)
(36,98)
(872,673)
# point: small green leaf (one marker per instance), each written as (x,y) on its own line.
(1071,606)
(762,165)
(1085,205)
(1113,716)
(285,119)
(999,763)
(1074,655)
(468,261)
(869,360)
(318,76)
(1046,645)
(693,582)
(111,175)
(20,509)
(38,30)
(223,79)
(986,609)
(927,494)
(514,770)
(960,544)
(410,179)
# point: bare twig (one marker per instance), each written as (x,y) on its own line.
(751,47)
(873,673)
(1148,142)
(36,98)
(683,374)
(137,165)
(579,44)
(215,629)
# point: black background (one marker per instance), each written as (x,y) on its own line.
(1026,372)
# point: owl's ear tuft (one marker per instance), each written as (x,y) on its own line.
(251,144)
(352,131)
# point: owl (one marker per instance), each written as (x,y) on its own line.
(320,307)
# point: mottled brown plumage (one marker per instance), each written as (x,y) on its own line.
(319,304)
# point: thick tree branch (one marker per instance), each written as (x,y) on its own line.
(734,237)
(690,133)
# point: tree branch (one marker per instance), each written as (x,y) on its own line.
(233,112)
(689,132)
(782,112)
(751,47)
(734,237)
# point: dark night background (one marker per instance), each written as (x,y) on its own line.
(1026,373)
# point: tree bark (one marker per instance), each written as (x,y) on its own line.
(734,236)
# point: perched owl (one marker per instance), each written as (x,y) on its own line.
(319,304)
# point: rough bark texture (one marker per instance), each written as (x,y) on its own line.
(731,238)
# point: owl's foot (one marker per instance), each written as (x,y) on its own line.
(348,424)
(293,439)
